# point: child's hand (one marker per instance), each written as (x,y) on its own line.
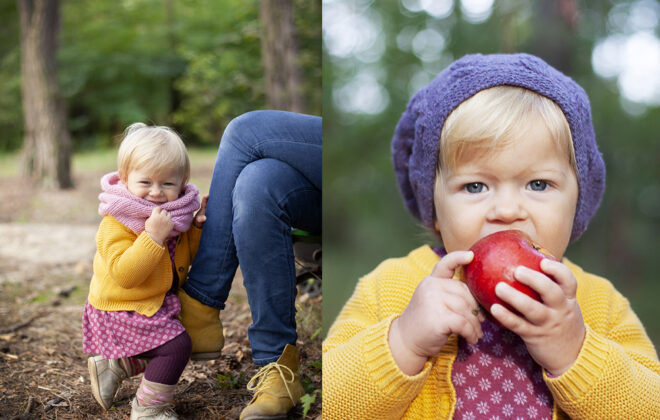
(159,225)
(200,216)
(553,331)
(439,307)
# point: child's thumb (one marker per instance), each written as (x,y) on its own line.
(449,263)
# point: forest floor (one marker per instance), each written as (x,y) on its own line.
(45,265)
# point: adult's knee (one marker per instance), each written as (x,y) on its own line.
(243,125)
(255,192)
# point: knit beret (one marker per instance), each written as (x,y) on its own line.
(417,136)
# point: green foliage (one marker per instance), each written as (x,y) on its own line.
(308,25)
(364,217)
(194,66)
(309,387)
(11,116)
(230,381)
(116,65)
(223,78)
(307,400)
(315,333)
(307,384)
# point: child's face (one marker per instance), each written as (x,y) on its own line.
(528,185)
(155,187)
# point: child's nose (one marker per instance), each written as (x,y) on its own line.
(155,190)
(507,208)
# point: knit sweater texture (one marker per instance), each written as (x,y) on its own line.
(132,272)
(616,374)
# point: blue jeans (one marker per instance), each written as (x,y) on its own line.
(266,180)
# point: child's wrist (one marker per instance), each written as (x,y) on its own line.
(154,238)
(408,361)
(555,373)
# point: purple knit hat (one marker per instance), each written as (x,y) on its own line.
(416,139)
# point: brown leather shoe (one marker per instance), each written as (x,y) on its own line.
(277,388)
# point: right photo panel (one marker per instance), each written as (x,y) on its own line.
(491,209)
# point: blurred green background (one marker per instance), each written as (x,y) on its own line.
(193,65)
(376,54)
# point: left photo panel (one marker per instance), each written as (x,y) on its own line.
(160,209)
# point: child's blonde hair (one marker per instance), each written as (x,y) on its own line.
(152,148)
(487,120)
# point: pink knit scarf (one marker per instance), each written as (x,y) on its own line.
(132,211)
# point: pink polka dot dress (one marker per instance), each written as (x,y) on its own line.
(117,334)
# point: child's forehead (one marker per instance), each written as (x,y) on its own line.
(534,146)
(157,172)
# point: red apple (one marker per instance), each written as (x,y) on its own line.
(496,256)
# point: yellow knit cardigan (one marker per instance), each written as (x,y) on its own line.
(132,272)
(616,375)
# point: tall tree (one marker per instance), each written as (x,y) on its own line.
(279,50)
(46,151)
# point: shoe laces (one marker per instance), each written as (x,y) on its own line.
(263,378)
(168,410)
(165,410)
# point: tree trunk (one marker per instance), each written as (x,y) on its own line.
(46,154)
(280,56)
(554,39)
(174,96)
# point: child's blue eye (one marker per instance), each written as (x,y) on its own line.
(538,185)
(475,187)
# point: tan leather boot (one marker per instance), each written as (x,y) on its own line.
(203,326)
(277,388)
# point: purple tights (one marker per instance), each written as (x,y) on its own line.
(168,360)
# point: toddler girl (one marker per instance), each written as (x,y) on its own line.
(145,244)
(494,142)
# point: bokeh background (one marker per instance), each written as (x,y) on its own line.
(377,53)
(185,63)
(73,75)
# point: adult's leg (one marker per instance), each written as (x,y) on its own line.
(269,197)
(294,139)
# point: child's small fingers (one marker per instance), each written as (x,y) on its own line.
(481,314)
(464,327)
(450,262)
(467,308)
(562,275)
(534,311)
(540,283)
(508,319)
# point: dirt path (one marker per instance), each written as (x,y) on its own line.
(44,276)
